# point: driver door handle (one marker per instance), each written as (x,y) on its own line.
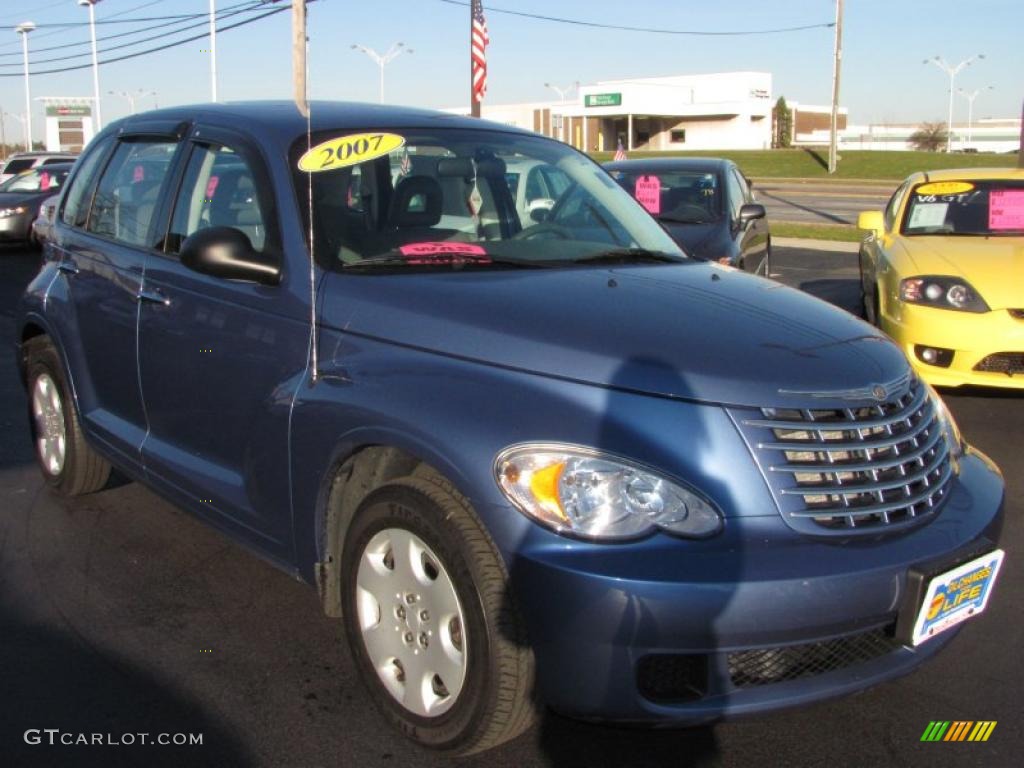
(154,296)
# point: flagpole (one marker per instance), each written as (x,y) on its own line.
(474,105)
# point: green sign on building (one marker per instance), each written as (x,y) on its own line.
(602,100)
(68,111)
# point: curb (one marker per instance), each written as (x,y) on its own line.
(835,246)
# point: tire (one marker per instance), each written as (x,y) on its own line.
(457,599)
(766,264)
(67,462)
(870,304)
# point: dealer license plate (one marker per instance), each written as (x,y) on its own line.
(957,595)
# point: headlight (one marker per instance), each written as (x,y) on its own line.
(944,292)
(5,212)
(582,492)
(948,424)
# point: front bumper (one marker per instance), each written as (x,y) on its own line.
(599,614)
(972,337)
(14,227)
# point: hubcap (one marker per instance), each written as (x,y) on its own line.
(412,623)
(48,413)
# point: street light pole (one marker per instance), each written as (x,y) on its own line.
(213,49)
(971,96)
(23,29)
(393,53)
(562,92)
(939,62)
(126,95)
(95,61)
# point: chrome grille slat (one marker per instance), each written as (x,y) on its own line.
(854,468)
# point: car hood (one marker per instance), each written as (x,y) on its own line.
(994,266)
(10,199)
(693,236)
(696,331)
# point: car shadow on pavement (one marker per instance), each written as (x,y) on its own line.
(842,292)
(55,679)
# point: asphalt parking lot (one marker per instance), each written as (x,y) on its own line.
(120,614)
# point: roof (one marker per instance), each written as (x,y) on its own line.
(284,117)
(976,174)
(669,164)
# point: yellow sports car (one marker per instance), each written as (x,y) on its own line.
(942,272)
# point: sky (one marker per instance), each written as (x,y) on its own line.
(884,78)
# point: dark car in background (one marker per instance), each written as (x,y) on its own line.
(22,197)
(706,204)
(522,455)
(26,161)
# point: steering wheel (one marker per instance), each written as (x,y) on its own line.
(544,229)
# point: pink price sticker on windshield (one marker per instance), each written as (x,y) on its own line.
(1006,209)
(648,193)
(432,253)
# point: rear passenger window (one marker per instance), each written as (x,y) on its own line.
(126,197)
(218,190)
(76,202)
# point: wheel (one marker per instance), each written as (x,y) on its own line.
(766,265)
(66,460)
(872,310)
(427,613)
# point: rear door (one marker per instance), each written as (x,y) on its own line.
(220,359)
(103,242)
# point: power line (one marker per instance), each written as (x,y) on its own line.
(202,23)
(623,28)
(248,5)
(65,31)
(157,48)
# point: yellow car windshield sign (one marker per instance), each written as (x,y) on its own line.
(944,188)
(349,150)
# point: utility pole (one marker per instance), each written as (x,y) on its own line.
(213,49)
(95,62)
(833,153)
(299,56)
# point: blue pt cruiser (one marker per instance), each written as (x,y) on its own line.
(525,454)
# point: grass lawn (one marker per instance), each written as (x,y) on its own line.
(853,164)
(842,232)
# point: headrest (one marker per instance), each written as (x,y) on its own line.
(416,202)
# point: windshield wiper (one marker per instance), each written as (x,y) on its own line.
(452,260)
(625,255)
(683,219)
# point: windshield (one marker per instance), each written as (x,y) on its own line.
(685,197)
(965,208)
(39,180)
(467,198)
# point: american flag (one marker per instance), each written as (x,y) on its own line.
(478,46)
(405,168)
(620,153)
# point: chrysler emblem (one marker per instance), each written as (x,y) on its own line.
(879,392)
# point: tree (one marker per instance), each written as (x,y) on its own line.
(929,137)
(783,115)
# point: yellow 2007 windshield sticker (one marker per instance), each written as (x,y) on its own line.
(944,188)
(349,150)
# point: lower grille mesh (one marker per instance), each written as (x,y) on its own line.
(776,665)
(1002,362)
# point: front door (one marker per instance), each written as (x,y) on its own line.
(220,360)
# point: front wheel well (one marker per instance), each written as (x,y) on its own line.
(29,332)
(351,481)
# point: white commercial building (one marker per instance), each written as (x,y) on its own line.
(729,110)
(985,135)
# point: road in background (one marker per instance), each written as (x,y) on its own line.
(120,614)
(820,203)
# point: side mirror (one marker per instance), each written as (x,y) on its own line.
(873,221)
(227,253)
(751,211)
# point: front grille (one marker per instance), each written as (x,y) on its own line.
(855,469)
(792,662)
(1002,362)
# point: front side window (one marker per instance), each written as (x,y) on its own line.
(19,164)
(219,190)
(76,203)
(985,208)
(126,197)
(894,205)
(461,195)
